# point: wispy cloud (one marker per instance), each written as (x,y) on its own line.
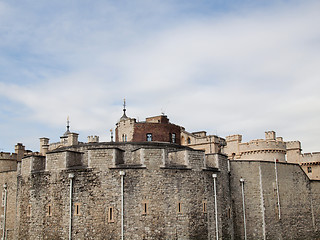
(232,70)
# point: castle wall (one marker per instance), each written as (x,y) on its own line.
(8,161)
(174,195)
(10,179)
(261,201)
(310,163)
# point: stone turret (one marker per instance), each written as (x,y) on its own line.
(293,151)
(44,145)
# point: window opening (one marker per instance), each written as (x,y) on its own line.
(29,211)
(149,137)
(179,210)
(309,169)
(3,199)
(110,214)
(77,209)
(189,140)
(49,210)
(204,206)
(173,138)
(144,207)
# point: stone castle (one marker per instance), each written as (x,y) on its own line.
(158,181)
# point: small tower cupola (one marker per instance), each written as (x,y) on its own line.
(124,116)
(68,128)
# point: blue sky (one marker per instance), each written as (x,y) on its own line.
(227,67)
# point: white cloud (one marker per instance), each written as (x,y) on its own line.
(236,73)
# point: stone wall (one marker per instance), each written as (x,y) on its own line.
(161,200)
(264,220)
(10,179)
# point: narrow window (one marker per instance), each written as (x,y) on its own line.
(229,213)
(110,215)
(29,211)
(173,138)
(179,207)
(204,206)
(77,209)
(149,137)
(3,199)
(189,140)
(144,207)
(309,169)
(49,210)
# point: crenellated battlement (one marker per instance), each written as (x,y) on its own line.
(310,157)
(293,145)
(236,137)
(93,139)
(262,145)
(105,156)
(8,156)
(267,149)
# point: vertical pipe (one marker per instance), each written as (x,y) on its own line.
(215,204)
(71,176)
(244,209)
(4,211)
(277,186)
(122,173)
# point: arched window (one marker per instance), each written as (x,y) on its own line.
(189,140)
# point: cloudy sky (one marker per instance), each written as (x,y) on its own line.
(227,67)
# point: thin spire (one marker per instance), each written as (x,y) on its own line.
(68,127)
(68,124)
(124,116)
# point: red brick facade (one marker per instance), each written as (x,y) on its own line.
(161,132)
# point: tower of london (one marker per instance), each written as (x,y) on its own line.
(155,180)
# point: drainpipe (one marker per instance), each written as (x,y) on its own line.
(244,209)
(122,173)
(214,175)
(71,177)
(277,185)
(4,212)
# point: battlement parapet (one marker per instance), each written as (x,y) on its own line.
(262,145)
(93,139)
(293,145)
(8,161)
(310,157)
(8,156)
(236,137)
(105,156)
